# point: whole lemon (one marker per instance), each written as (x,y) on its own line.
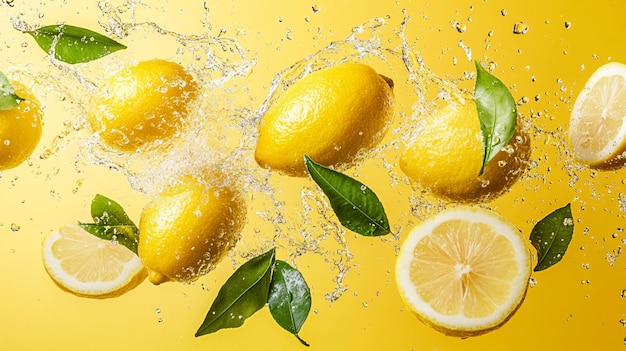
(330,115)
(142,104)
(20,129)
(446,157)
(189,227)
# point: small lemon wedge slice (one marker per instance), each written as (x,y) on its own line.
(86,265)
(464,272)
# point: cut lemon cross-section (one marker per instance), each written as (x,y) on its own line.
(86,265)
(464,271)
(597,131)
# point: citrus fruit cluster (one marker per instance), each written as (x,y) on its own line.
(186,229)
(464,271)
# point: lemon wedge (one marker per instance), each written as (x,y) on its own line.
(88,266)
(597,131)
(464,271)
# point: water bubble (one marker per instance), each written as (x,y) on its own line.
(460,27)
(520,28)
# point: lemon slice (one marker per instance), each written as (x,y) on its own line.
(464,271)
(89,266)
(597,129)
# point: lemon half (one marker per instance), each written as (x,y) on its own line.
(88,266)
(597,130)
(464,272)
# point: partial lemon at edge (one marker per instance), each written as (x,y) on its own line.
(597,131)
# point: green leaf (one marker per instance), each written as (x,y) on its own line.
(112,223)
(497,113)
(73,44)
(356,206)
(8,98)
(244,293)
(551,236)
(289,299)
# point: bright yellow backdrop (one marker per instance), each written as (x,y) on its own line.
(578,304)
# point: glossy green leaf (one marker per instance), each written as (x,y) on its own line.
(356,206)
(551,237)
(112,223)
(289,299)
(497,113)
(73,44)
(244,293)
(8,98)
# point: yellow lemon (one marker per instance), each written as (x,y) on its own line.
(464,271)
(189,227)
(446,157)
(20,129)
(88,266)
(330,115)
(142,104)
(597,130)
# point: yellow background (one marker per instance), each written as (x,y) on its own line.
(575,305)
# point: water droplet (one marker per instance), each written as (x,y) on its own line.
(15,227)
(503,12)
(623,293)
(520,28)
(157,310)
(460,27)
(363,187)
(568,222)
(585,265)
(532,282)
(7,142)
(315,8)
(568,24)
